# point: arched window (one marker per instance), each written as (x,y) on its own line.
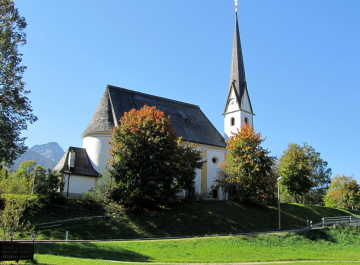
(232,121)
(246,120)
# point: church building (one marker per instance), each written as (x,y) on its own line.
(83,166)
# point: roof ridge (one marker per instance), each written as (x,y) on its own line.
(155,97)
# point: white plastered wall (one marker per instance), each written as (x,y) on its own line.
(246,103)
(239,117)
(75,184)
(212,168)
(197,184)
(97,148)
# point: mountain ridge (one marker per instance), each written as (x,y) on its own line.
(46,155)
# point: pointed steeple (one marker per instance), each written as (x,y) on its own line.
(238,110)
(237,70)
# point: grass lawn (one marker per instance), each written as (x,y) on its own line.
(328,246)
(49,259)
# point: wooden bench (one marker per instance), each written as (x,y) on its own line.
(10,251)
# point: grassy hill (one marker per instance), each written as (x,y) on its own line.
(183,219)
(314,246)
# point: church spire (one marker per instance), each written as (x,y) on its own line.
(237,72)
(238,109)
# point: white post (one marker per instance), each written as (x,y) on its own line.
(279,201)
(67,236)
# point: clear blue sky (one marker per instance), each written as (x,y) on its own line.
(302,63)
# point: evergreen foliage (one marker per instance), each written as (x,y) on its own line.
(15,109)
(247,173)
(149,163)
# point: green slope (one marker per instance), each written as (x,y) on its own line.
(185,219)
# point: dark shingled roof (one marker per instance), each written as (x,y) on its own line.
(188,120)
(82,165)
(237,71)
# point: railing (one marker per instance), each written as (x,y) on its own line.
(60,223)
(341,220)
(10,251)
(74,209)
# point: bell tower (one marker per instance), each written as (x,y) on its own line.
(238,109)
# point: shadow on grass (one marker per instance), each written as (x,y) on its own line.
(90,251)
(319,234)
(193,219)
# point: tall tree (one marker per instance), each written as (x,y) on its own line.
(247,173)
(343,192)
(352,195)
(15,109)
(320,176)
(149,163)
(305,174)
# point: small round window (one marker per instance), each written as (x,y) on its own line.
(215,160)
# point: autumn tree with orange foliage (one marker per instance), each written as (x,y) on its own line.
(149,162)
(343,192)
(247,174)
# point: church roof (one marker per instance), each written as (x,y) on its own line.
(188,120)
(82,164)
(237,71)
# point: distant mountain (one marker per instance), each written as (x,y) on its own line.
(51,151)
(46,155)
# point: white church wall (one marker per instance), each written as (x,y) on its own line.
(246,103)
(248,116)
(197,184)
(76,185)
(215,157)
(239,117)
(97,147)
(228,128)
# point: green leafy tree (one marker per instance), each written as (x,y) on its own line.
(295,168)
(305,175)
(15,195)
(48,184)
(320,176)
(15,109)
(247,173)
(149,163)
(343,192)
(352,193)
(98,195)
